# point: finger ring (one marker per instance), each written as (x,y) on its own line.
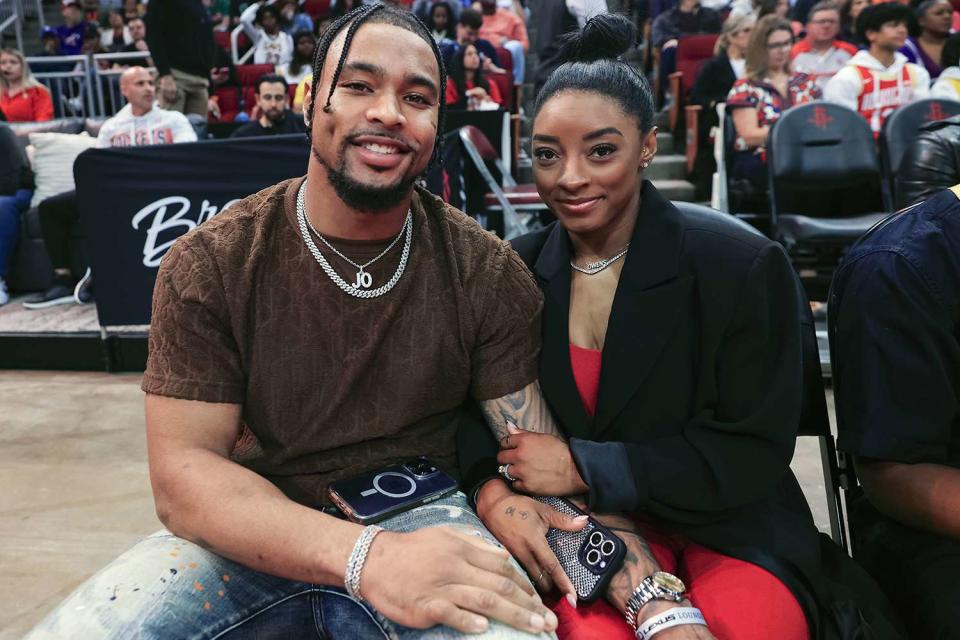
(504,470)
(540,578)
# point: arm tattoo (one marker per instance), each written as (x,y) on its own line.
(525,408)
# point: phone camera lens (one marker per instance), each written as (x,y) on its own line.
(593,557)
(607,548)
(596,538)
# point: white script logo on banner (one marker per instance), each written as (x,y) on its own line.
(169,215)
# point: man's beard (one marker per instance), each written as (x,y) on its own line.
(360,196)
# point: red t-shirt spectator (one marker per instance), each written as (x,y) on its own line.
(453,94)
(29,105)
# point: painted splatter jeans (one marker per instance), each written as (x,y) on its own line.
(166,587)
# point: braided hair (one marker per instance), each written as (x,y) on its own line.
(353,20)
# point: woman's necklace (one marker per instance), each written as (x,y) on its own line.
(360,288)
(598,266)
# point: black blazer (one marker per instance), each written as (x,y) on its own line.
(700,389)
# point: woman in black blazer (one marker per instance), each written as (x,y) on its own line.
(671,362)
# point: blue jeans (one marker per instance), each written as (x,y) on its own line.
(10,209)
(166,587)
(519,59)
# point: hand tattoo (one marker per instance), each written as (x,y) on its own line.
(509,511)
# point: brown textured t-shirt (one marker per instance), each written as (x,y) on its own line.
(330,384)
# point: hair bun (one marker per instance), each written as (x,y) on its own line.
(605,36)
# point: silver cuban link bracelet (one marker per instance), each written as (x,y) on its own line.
(351,579)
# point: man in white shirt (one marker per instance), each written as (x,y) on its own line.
(820,55)
(139,123)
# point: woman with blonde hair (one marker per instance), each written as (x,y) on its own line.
(712,85)
(22,97)
(768,89)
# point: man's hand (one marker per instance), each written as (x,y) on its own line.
(520,523)
(168,88)
(440,576)
(541,463)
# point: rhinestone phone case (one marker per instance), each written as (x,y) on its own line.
(590,556)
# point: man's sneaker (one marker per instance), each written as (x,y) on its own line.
(57,294)
(4,295)
(83,292)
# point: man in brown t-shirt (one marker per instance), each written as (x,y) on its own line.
(323,327)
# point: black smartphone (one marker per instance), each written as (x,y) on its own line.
(590,557)
(377,495)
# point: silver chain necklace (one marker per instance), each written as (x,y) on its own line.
(593,268)
(361,288)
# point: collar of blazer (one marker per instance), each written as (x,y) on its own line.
(647,306)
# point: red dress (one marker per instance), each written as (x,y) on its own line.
(740,601)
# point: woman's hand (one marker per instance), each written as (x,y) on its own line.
(520,524)
(541,463)
(479,93)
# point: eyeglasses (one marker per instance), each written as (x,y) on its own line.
(825,21)
(786,44)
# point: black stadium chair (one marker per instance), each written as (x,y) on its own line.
(900,130)
(826,187)
(814,421)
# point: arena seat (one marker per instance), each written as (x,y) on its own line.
(228,98)
(248,74)
(826,187)
(317,9)
(692,53)
(519,204)
(901,127)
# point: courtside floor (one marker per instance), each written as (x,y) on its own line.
(75,490)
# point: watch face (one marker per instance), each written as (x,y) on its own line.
(669,582)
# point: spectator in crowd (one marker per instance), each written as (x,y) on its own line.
(16,188)
(292,19)
(555,18)
(467,88)
(261,23)
(441,23)
(72,30)
(778,8)
(139,123)
(820,55)
(116,37)
(468,32)
(50,42)
(933,18)
(273,109)
(422,9)
(300,65)
(133,9)
(877,81)
(948,82)
(849,11)
(180,35)
(931,163)
(688,18)
(506,29)
(219,12)
(92,43)
(271,530)
(758,100)
(712,87)
(896,376)
(138,33)
(22,97)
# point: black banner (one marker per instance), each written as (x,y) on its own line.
(135,202)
